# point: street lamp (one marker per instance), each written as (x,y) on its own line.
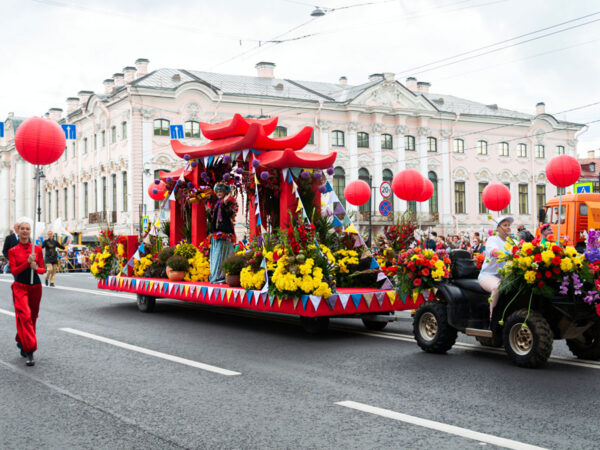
(38,178)
(318,12)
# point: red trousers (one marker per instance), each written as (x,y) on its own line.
(26,299)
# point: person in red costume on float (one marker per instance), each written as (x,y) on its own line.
(26,293)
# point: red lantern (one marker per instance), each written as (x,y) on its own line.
(157,191)
(408,184)
(40,141)
(427,190)
(357,192)
(563,171)
(495,197)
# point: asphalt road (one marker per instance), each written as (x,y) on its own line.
(187,376)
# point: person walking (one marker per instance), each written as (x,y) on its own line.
(10,241)
(50,245)
(27,290)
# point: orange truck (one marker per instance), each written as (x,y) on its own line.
(579,213)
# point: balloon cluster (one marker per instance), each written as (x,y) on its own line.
(410,185)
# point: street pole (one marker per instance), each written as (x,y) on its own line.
(38,178)
(371,211)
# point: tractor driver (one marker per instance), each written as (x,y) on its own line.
(489,279)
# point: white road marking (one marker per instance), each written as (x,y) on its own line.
(145,351)
(8,313)
(105,293)
(450,429)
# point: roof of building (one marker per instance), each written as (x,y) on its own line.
(309,90)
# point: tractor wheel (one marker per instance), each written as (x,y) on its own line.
(374,325)
(314,325)
(145,303)
(588,346)
(528,346)
(431,328)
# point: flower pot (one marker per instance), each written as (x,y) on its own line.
(175,275)
(232,280)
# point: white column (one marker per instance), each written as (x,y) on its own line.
(119,206)
(400,205)
(80,200)
(147,133)
(423,133)
(91,195)
(19,188)
(377,164)
(352,147)
(100,206)
(445,181)
(4,198)
(323,137)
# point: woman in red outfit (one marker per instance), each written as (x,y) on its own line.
(26,294)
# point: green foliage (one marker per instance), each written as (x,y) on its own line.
(178,263)
(186,250)
(165,254)
(234,264)
(165,227)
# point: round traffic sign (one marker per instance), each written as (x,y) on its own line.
(385,189)
(385,207)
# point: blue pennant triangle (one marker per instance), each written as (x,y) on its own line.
(249,297)
(374,264)
(258,221)
(210,160)
(290,179)
(356,299)
(256,152)
(328,187)
(337,222)
(141,249)
(347,222)
(133,282)
(204,291)
(166,287)
(304,299)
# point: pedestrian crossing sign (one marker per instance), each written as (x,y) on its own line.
(584,188)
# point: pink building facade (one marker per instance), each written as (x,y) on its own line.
(377,127)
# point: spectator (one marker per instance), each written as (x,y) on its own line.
(51,257)
(441,243)
(523,234)
(431,242)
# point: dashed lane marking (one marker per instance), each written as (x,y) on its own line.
(439,426)
(145,351)
(8,313)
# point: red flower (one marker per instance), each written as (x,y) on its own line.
(538,257)
(411,275)
(417,282)
(529,251)
(556,249)
(548,274)
(540,284)
(556,270)
(556,260)
(538,275)
(425,272)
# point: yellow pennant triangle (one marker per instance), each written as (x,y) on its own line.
(151,285)
(279,302)
(186,289)
(228,294)
(299,208)
(351,229)
(392,297)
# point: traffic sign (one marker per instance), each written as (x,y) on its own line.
(584,188)
(69,130)
(176,131)
(145,221)
(385,189)
(1,129)
(385,207)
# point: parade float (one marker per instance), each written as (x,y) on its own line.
(304,256)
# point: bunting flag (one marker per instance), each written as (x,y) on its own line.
(392,296)
(387,284)
(186,290)
(380,296)
(136,255)
(333,198)
(374,264)
(279,302)
(296,171)
(331,301)
(204,291)
(249,297)
(328,187)
(245,154)
(344,299)
(210,160)
(284,173)
(316,301)
(256,152)
(356,299)
(295,300)
(339,210)
(426,293)
(368,299)
(304,299)
(210,292)
(256,297)
(351,229)
(380,276)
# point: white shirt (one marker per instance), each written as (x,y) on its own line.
(491,265)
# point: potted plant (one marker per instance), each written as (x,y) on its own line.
(177,266)
(232,267)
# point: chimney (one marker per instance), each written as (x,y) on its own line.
(141,64)
(55,114)
(540,108)
(109,85)
(343,81)
(423,86)
(411,83)
(389,76)
(375,77)
(84,96)
(591,154)
(119,79)
(72,104)
(265,69)
(129,72)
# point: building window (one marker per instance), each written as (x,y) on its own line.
(388,176)
(522,150)
(74,202)
(339,184)
(161,127)
(85,199)
(363,174)
(504,149)
(433,201)
(482,208)
(192,129)
(386,142)
(540,196)
(412,207)
(123,130)
(507,209)
(104,188)
(409,143)
(337,138)
(523,199)
(540,151)
(459,197)
(124,175)
(57,204)
(431,144)
(113,135)
(103,138)
(73,150)
(66,203)
(362,140)
(560,150)
(96,195)
(280,132)
(482,148)
(95,142)
(459,146)
(114,191)
(85,146)
(561,191)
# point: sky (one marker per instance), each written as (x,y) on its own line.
(51,49)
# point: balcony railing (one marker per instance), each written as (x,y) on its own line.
(103,217)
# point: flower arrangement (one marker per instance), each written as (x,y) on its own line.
(140,266)
(420,269)
(102,263)
(178,263)
(399,236)
(199,267)
(233,265)
(109,257)
(479,259)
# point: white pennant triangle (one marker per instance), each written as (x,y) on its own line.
(210,291)
(315,300)
(245,154)
(344,299)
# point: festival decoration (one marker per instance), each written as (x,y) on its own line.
(495,197)
(40,141)
(420,269)
(427,190)
(563,171)
(357,192)
(408,185)
(157,190)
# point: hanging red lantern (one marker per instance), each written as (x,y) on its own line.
(357,192)
(408,185)
(495,197)
(40,141)
(563,171)
(156,191)
(427,190)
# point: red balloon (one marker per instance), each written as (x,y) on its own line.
(427,190)
(563,171)
(495,197)
(40,141)
(408,184)
(157,191)
(357,192)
